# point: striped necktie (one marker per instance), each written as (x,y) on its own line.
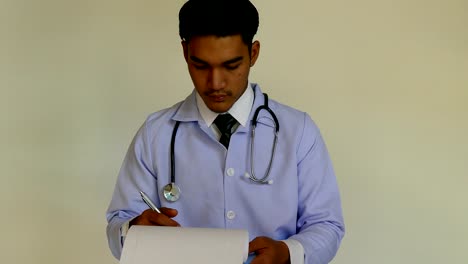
(225,122)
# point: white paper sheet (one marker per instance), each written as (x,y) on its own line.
(181,245)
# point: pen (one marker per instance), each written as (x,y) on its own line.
(148,201)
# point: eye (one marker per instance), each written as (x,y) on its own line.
(232,67)
(200,66)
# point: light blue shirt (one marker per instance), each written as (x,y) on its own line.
(303,203)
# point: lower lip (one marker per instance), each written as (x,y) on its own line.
(218,98)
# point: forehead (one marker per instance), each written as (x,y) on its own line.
(215,49)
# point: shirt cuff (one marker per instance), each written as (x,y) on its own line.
(296,251)
(124,230)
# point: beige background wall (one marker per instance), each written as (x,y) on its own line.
(386,81)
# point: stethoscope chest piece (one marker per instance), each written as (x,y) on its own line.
(171,192)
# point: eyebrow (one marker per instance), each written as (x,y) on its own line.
(231,61)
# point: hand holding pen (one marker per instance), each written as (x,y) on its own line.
(148,202)
(154,216)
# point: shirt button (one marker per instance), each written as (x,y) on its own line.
(231,215)
(230,172)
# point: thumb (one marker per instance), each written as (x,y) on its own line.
(257,244)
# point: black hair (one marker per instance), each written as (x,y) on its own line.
(220,18)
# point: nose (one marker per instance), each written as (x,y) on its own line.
(216,79)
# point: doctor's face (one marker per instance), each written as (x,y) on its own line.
(219,68)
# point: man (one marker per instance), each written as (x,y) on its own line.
(293,215)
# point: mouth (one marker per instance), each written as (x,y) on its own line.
(217,97)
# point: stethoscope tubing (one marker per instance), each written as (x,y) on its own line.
(174,133)
(252,176)
(172,191)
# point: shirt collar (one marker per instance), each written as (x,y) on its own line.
(240,110)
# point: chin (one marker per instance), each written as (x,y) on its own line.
(219,108)
(219,111)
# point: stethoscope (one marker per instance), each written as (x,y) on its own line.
(172,192)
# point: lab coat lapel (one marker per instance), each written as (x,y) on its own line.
(188,110)
(263,117)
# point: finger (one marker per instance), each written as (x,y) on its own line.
(143,218)
(258,244)
(258,259)
(150,217)
(161,219)
(170,212)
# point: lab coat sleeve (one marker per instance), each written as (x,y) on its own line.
(135,174)
(320,223)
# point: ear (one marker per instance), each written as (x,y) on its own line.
(254,53)
(185,49)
